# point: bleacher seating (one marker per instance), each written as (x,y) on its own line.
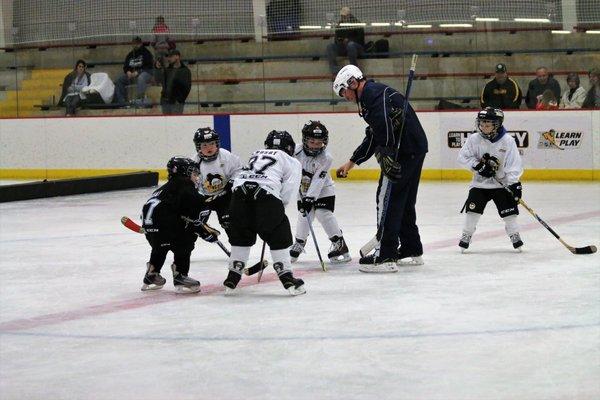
(292,76)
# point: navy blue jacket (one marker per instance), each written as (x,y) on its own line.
(377,101)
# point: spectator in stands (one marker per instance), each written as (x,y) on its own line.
(537,86)
(349,40)
(592,99)
(176,81)
(137,68)
(574,97)
(501,92)
(162,43)
(547,101)
(75,80)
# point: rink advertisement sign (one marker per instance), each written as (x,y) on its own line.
(457,139)
(560,140)
(546,140)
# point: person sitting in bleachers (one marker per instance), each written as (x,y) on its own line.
(537,86)
(71,96)
(592,99)
(501,92)
(547,101)
(574,97)
(137,68)
(349,41)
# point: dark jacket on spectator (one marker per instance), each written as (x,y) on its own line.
(139,59)
(176,83)
(353,34)
(504,96)
(535,89)
(591,99)
(67,83)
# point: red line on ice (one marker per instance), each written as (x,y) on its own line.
(165,296)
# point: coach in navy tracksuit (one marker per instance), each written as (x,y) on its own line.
(381,107)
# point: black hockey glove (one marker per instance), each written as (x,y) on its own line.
(487,166)
(206,232)
(389,166)
(224,220)
(517,190)
(306,204)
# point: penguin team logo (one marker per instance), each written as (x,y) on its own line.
(305,181)
(213,183)
(552,139)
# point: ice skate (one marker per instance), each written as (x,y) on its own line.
(183,283)
(339,252)
(465,240)
(410,260)
(374,264)
(293,285)
(233,277)
(517,243)
(152,280)
(297,248)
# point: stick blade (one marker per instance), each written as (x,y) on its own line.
(129,224)
(585,250)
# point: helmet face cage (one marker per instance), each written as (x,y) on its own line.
(206,135)
(493,115)
(182,167)
(314,130)
(281,140)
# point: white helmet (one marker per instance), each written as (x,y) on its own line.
(341,80)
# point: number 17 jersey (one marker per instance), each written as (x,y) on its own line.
(275,171)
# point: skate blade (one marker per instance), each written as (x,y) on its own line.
(519,249)
(229,291)
(344,258)
(150,287)
(294,259)
(296,291)
(378,269)
(413,261)
(180,289)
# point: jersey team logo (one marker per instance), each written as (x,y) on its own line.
(213,183)
(457,139)
(553,139)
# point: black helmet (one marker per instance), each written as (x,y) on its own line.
(314,130)
(281,140)
(490,114)
(181,167)
(205,135)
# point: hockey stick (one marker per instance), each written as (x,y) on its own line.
(130,224)
(262,259)
(575,250)
(371,244)
(312,233)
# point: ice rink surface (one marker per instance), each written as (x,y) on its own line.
(490,324)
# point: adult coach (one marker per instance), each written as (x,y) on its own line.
(381,107)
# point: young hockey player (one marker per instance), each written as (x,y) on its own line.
(260,193)
(318,192)
(493,156)
(218,167)
(165,217)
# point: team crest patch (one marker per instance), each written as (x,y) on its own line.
(471,206)
(213,183)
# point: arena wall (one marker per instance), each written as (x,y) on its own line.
(556,145)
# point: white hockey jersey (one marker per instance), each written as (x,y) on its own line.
(215,174)
(316,181)
(275,171)
(505,150)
